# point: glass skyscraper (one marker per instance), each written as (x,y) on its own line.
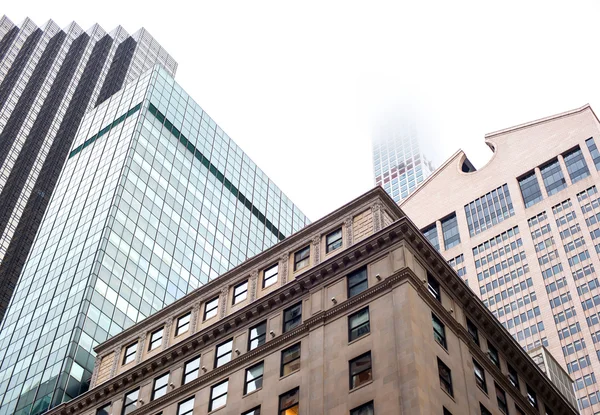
(399,162)
(153,201)
(49,78)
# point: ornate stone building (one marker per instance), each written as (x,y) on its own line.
(354,314)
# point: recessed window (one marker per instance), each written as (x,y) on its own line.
(360,370)
(434,287)
(290,360)
(130,403)
(479,376)
(450,231)
(223,354)
(218,395)
(302,258)
(431,234)
(519,410)
(553,177)
(333,240)
(513,378)
(186,407)
(501,398)
(183,324)
(357,282)
(130,352)
(160,386)
(593,151)
(191,370)
(270,276)
(365,409)
(258,335)
(210,308)
(493,354)
(156,339)
(439,331)
(446,412)
(292,317)
(484,410)
(358,324)
(254,378)
(576,165)
(445,377)
(253,411)
(240,292)
(532,397)
(288,402)
(473,332)
(105,410)
(530,189)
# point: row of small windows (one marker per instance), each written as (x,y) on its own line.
(489,210)
(553,177)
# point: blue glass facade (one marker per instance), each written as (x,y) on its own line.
(153,201)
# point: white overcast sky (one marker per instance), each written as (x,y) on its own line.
(298,84)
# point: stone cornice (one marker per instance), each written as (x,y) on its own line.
(376,195)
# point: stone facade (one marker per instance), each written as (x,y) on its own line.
(397,267)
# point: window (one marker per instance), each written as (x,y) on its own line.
(446,412)
(270,276)
(358,324)
(489,210)
(431,234)
(288,402)
(530,189)
(254,378)
(513,378)
(258,335)
(183,324)
(223,353)
(473,332)
(210,308)
(156,339)
(301,258)
(191,370)
(479,376)
(186,407)
(357,282)
(240,292)
(519,410)
(501,398)
(484,410)
(253,411)
(290,360)
(445,377)
(493,354)
(439,331)
(576,165)
(365,409)
(434,287)
(333,241)
(130,403)
(553,177)
(532,397)
(160,386)
(130,352)
(105,410)
(218,395)
(594,152)
(292,317)
(360,370)
(450,231)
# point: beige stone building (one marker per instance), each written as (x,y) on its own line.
(354,314)
(523,232)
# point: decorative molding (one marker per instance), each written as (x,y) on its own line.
(194,319)
(167,333)
(223,301)
(95,373)
(349,230)
(316,242)
(140,348)
(253,285)
(116,356)
(377,216)
(283,267)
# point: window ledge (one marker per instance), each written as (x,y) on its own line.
(450,396)
(443,348)
(359,338)
(482,390)
(361,386)
(289,374)
(252,393)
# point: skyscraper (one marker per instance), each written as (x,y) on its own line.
(399,161)
(523,232)
(154,201)
(49,78)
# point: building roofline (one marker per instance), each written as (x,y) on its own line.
(541,121)
(253,262)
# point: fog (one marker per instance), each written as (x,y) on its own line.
(301,86)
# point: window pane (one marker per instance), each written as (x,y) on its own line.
(357,282)
(553,177)
(450,231)
(366,409)
(432,236)
(359,324)
(576,165)
(292,317)
(186,407)
(270,276)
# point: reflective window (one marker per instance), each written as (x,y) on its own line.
(288,402)
(358,324)
(530,189)
(223,354)
(513,378)
(445,377)
(473,332)
(576,165)
(357,282)
(439,331)
(290,360)
(484,410)
(130,352)
(105,410)
(191,370)
(302,258)
(365,409)
(553,177)
(218,395)
(292,317)
(240,292)
(186,407)
(431,234)
(450,231)
(254,378)
(479,376)
(130,403)
(183,324)
(156,339)
(210,308)
(493,355)
(160,386)
(434,287)
(532,397)
(333,240)
(360,370)
(593,152)
(258,335)
(253,411)
(501,399)
(489,210)
(270,276)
